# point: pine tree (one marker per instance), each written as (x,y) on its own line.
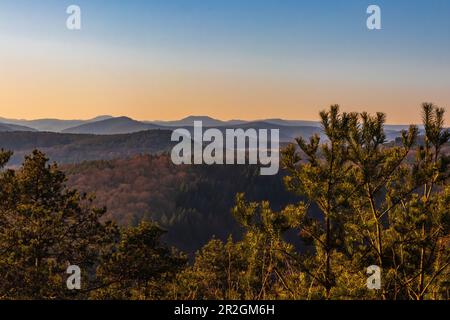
(419,227)
(323,177)
(375,167)
(140,266)
(260,266)
(44,228)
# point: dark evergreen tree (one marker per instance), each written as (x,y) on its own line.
(44,228)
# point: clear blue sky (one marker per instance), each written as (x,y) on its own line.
(323,47)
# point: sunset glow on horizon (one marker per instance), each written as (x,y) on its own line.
(165,60)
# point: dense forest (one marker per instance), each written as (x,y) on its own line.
(340,205)
(183,199)
(65,148)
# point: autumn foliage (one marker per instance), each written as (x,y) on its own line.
(340,205)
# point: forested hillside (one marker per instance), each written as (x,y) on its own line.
(75,148)
(192,202)
(350,201)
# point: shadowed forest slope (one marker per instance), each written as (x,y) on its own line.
(192,202)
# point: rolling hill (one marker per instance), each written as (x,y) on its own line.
(207,122)
(127,125)
(74,148)
(7,127)
(51,125)
(118,125)
(107,125)
(193,202)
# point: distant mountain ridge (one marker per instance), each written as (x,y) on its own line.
(108,125)
(189,121)
(120,125)
(50,125)
(8,127)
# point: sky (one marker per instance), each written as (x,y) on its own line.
(229,59)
